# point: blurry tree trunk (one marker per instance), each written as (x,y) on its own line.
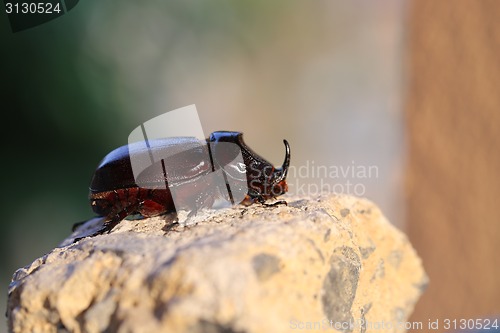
(453,121)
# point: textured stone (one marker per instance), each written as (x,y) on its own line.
(253,269)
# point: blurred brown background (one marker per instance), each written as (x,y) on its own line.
(453,122)
(409,87)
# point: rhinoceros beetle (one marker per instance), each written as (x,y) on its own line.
(115,193)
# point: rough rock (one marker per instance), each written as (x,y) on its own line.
(329,261)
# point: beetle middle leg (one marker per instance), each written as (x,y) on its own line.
(204,200)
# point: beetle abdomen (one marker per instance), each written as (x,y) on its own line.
(135,200)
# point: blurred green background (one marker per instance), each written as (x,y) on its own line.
(326,75)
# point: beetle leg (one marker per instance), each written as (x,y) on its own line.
(262,201)
(108,225)
(77,225)
(256,196)
(204,200)
(252,197)
(281,202)
(170,227)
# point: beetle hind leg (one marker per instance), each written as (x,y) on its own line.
(108,225)
(77,225)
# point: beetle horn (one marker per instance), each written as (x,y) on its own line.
(286,163)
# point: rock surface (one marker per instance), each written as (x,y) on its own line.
(318,262)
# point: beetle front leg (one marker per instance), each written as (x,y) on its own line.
(254,196)
(277,203)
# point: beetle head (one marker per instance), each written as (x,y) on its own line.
(261,176)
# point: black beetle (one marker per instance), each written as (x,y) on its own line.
(115,193)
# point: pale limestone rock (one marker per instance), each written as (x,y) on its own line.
(254,269)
